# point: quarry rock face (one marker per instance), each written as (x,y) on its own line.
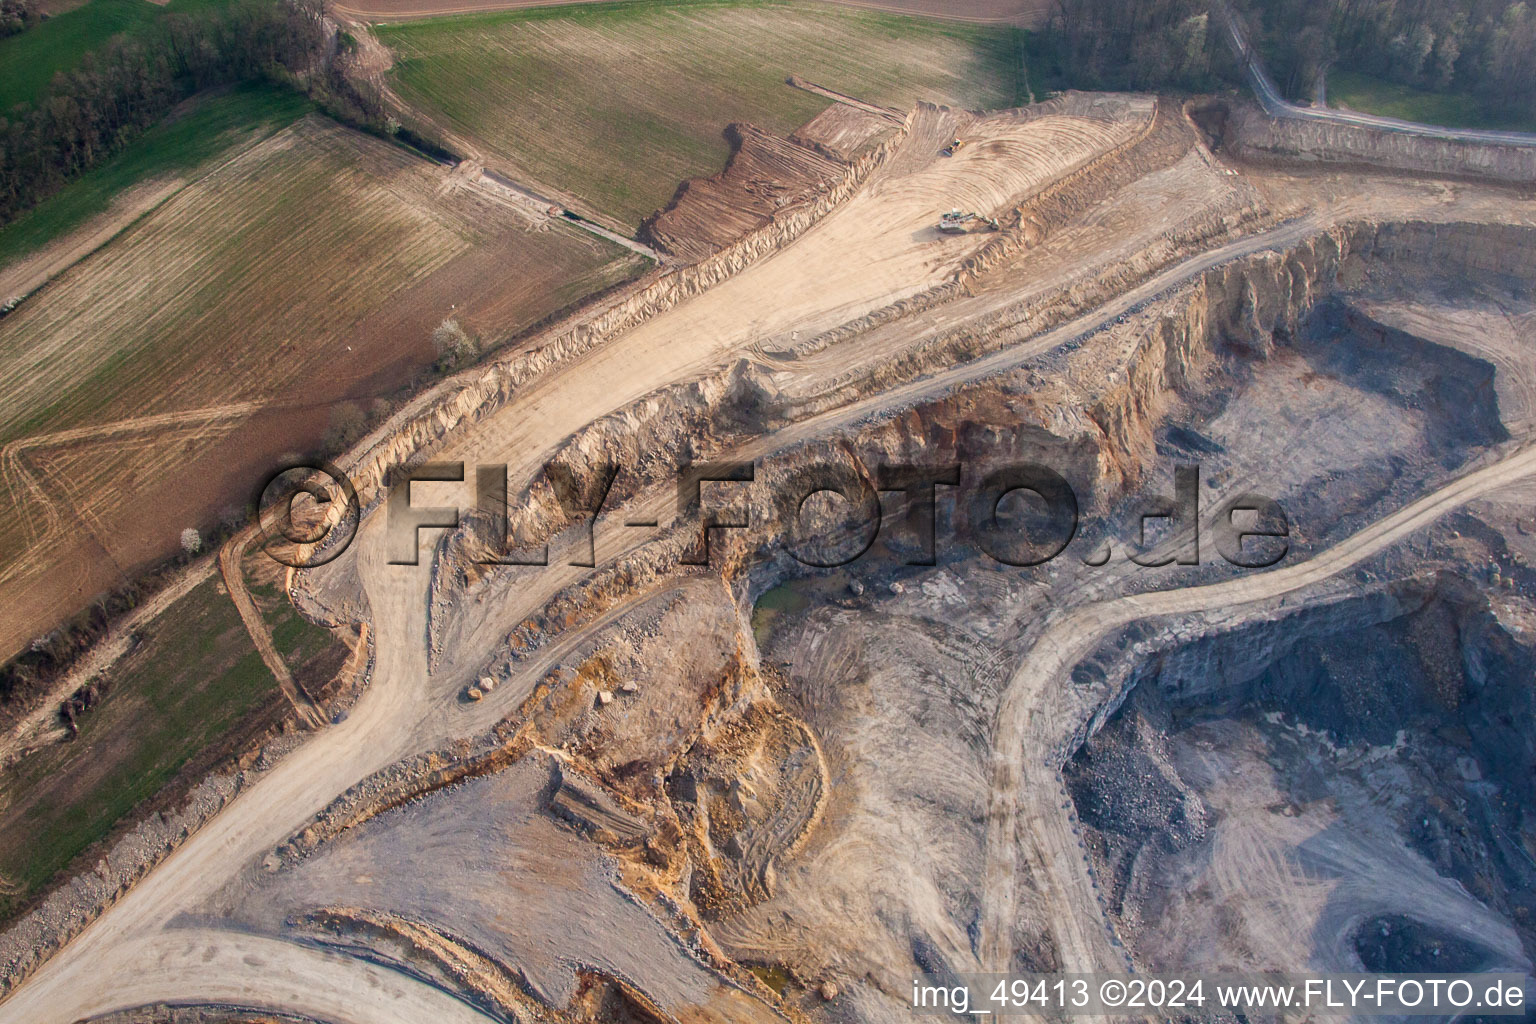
(615,761)
(1249,134)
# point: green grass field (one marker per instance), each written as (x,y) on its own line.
(192,680)
(619,103)
(1389,99)
(30,59)
(191,684)
(312,653)
(207,127)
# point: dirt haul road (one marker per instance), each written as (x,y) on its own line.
(153,945)
(1026,782)
(879,245)
(135,954)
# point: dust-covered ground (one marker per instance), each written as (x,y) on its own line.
(619,785)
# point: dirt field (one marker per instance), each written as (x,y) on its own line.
(168,370)
(659,84)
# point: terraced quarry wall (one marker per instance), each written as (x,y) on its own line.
(1094,410)
(1249,134)
(1104,430)
(479,393)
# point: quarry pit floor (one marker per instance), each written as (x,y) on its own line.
(841,324)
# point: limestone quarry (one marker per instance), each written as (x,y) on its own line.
(608,764)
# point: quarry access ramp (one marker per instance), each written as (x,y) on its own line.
(152,945)
(1025,818)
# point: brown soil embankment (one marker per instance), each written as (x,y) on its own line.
(766,174)
(471,396)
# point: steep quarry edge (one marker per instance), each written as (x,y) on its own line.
(1108,425)
(1247,133)
(736,411)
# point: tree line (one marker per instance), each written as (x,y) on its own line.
(1481,48)
(1485,49)
(15,15)
(1145,45)
(92,111)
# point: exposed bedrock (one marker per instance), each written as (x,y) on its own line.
(1351,784)
(734,807)
(770,811)
(1249,134)
(649,782)
(1090,412)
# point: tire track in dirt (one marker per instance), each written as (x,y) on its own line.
(386,721)
(234,581)
(1025,789)
(24,481)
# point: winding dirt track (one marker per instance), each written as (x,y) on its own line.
(256,627)
(154,945)
(1026,789)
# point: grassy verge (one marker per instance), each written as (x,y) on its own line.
(208,126)
(186,688)
(655,84)
(312,653)
(30,59)
(1389,99)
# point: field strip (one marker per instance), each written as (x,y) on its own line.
(102,656)
(23,481)
(1023,12)
(32,271)
(896,116)
(548,208)
(234,582)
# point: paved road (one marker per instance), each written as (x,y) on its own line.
(1276,105)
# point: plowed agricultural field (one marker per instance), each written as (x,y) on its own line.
(614,104)
(150,386)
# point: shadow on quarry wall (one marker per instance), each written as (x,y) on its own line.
(1244,131)
(1365,769)
(1452,389)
